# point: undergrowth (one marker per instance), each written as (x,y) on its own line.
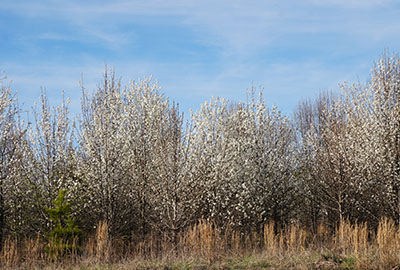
(205,246)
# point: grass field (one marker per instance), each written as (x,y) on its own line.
(204,246)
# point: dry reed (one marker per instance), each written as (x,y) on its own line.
(9,253)
(100,246)
(208,242)
(351,238)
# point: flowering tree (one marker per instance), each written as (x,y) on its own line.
(104,155)
(385,85)
(133,163)
(12,142)
(48,163)
(351,150)
(242,157)
(133,157)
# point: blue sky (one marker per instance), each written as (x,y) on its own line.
(195,49)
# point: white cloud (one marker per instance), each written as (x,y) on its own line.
(238,27)
(246,33)
(352,3)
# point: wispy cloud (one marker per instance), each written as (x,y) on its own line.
(359,4)
(200,48)
(236,26)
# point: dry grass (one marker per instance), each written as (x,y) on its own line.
(352,238)
(206,246)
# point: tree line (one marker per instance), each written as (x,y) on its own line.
(131,160)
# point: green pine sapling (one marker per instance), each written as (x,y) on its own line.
(65,236)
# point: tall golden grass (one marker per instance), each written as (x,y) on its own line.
(209,242)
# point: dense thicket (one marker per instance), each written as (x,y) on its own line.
(130,160)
